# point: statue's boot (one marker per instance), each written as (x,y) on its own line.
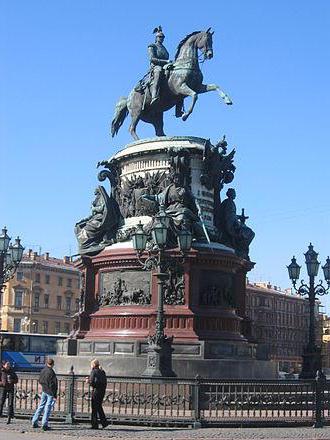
(154,92)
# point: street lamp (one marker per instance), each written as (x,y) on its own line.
(159,351)
(312,359)
(10,256)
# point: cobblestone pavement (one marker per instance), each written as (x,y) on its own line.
(21,430)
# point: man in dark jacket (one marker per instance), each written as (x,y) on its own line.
(98,382)
(8,379)
(48,382)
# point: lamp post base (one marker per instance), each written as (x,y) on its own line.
(312,362)
(159,358)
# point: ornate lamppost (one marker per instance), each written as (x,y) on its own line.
(10,257)
(159,352)
(312,359)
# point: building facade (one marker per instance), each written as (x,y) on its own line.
(280,322)
(326,342)
(42,296)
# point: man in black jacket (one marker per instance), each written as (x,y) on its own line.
(98,382)
(8,379)
(48,382)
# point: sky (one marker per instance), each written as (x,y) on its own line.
(65,63)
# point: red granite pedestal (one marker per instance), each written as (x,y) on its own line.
(213,304)
(207,325)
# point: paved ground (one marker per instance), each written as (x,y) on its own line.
(21,430)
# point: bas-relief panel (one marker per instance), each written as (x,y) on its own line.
(119,288)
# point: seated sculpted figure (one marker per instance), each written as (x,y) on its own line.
(179,204)
(234,231)
(95,232)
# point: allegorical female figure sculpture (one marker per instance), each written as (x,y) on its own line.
(95,232)
(234,232)
(179,204)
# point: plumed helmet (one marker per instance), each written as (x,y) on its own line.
(158,31)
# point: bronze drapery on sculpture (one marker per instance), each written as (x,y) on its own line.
(131,197)
(234,231)
(179,204)
(96,231)
(168,83)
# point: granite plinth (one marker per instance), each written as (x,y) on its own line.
(184,368)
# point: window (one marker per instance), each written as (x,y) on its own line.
(37,278)
(22,343)
(42,344)
(68,304)
(36,301)
(77,304)
(45,326)
(17,324)
(69,282)
(59,302)
(35,326)
(8,343)
(60,281)
(46,301)
(67,328)
(18,299)
(19,276)
(47,279)
(57,327)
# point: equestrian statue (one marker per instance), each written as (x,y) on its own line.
(168,83)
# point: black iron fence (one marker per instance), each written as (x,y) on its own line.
(198,402)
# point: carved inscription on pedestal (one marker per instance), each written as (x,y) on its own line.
(125,288)
(216,289)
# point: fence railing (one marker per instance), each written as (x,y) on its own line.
(198,402)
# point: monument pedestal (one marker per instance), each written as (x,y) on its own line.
(204,295)
(204,306)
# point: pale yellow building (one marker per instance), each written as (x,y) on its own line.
(42,296)
(326,341)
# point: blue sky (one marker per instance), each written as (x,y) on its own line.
(65,63)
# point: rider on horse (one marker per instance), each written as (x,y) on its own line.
(168,83)
(158,57)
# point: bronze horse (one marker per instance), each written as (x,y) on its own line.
(184,78)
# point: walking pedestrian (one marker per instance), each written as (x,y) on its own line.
(8,379)
(98,381)
(48,382)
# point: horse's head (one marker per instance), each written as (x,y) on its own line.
(204,43)
(201,40)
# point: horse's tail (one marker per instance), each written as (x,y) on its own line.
(121,111)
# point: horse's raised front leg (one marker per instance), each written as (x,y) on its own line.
(187,91)
(212,87)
